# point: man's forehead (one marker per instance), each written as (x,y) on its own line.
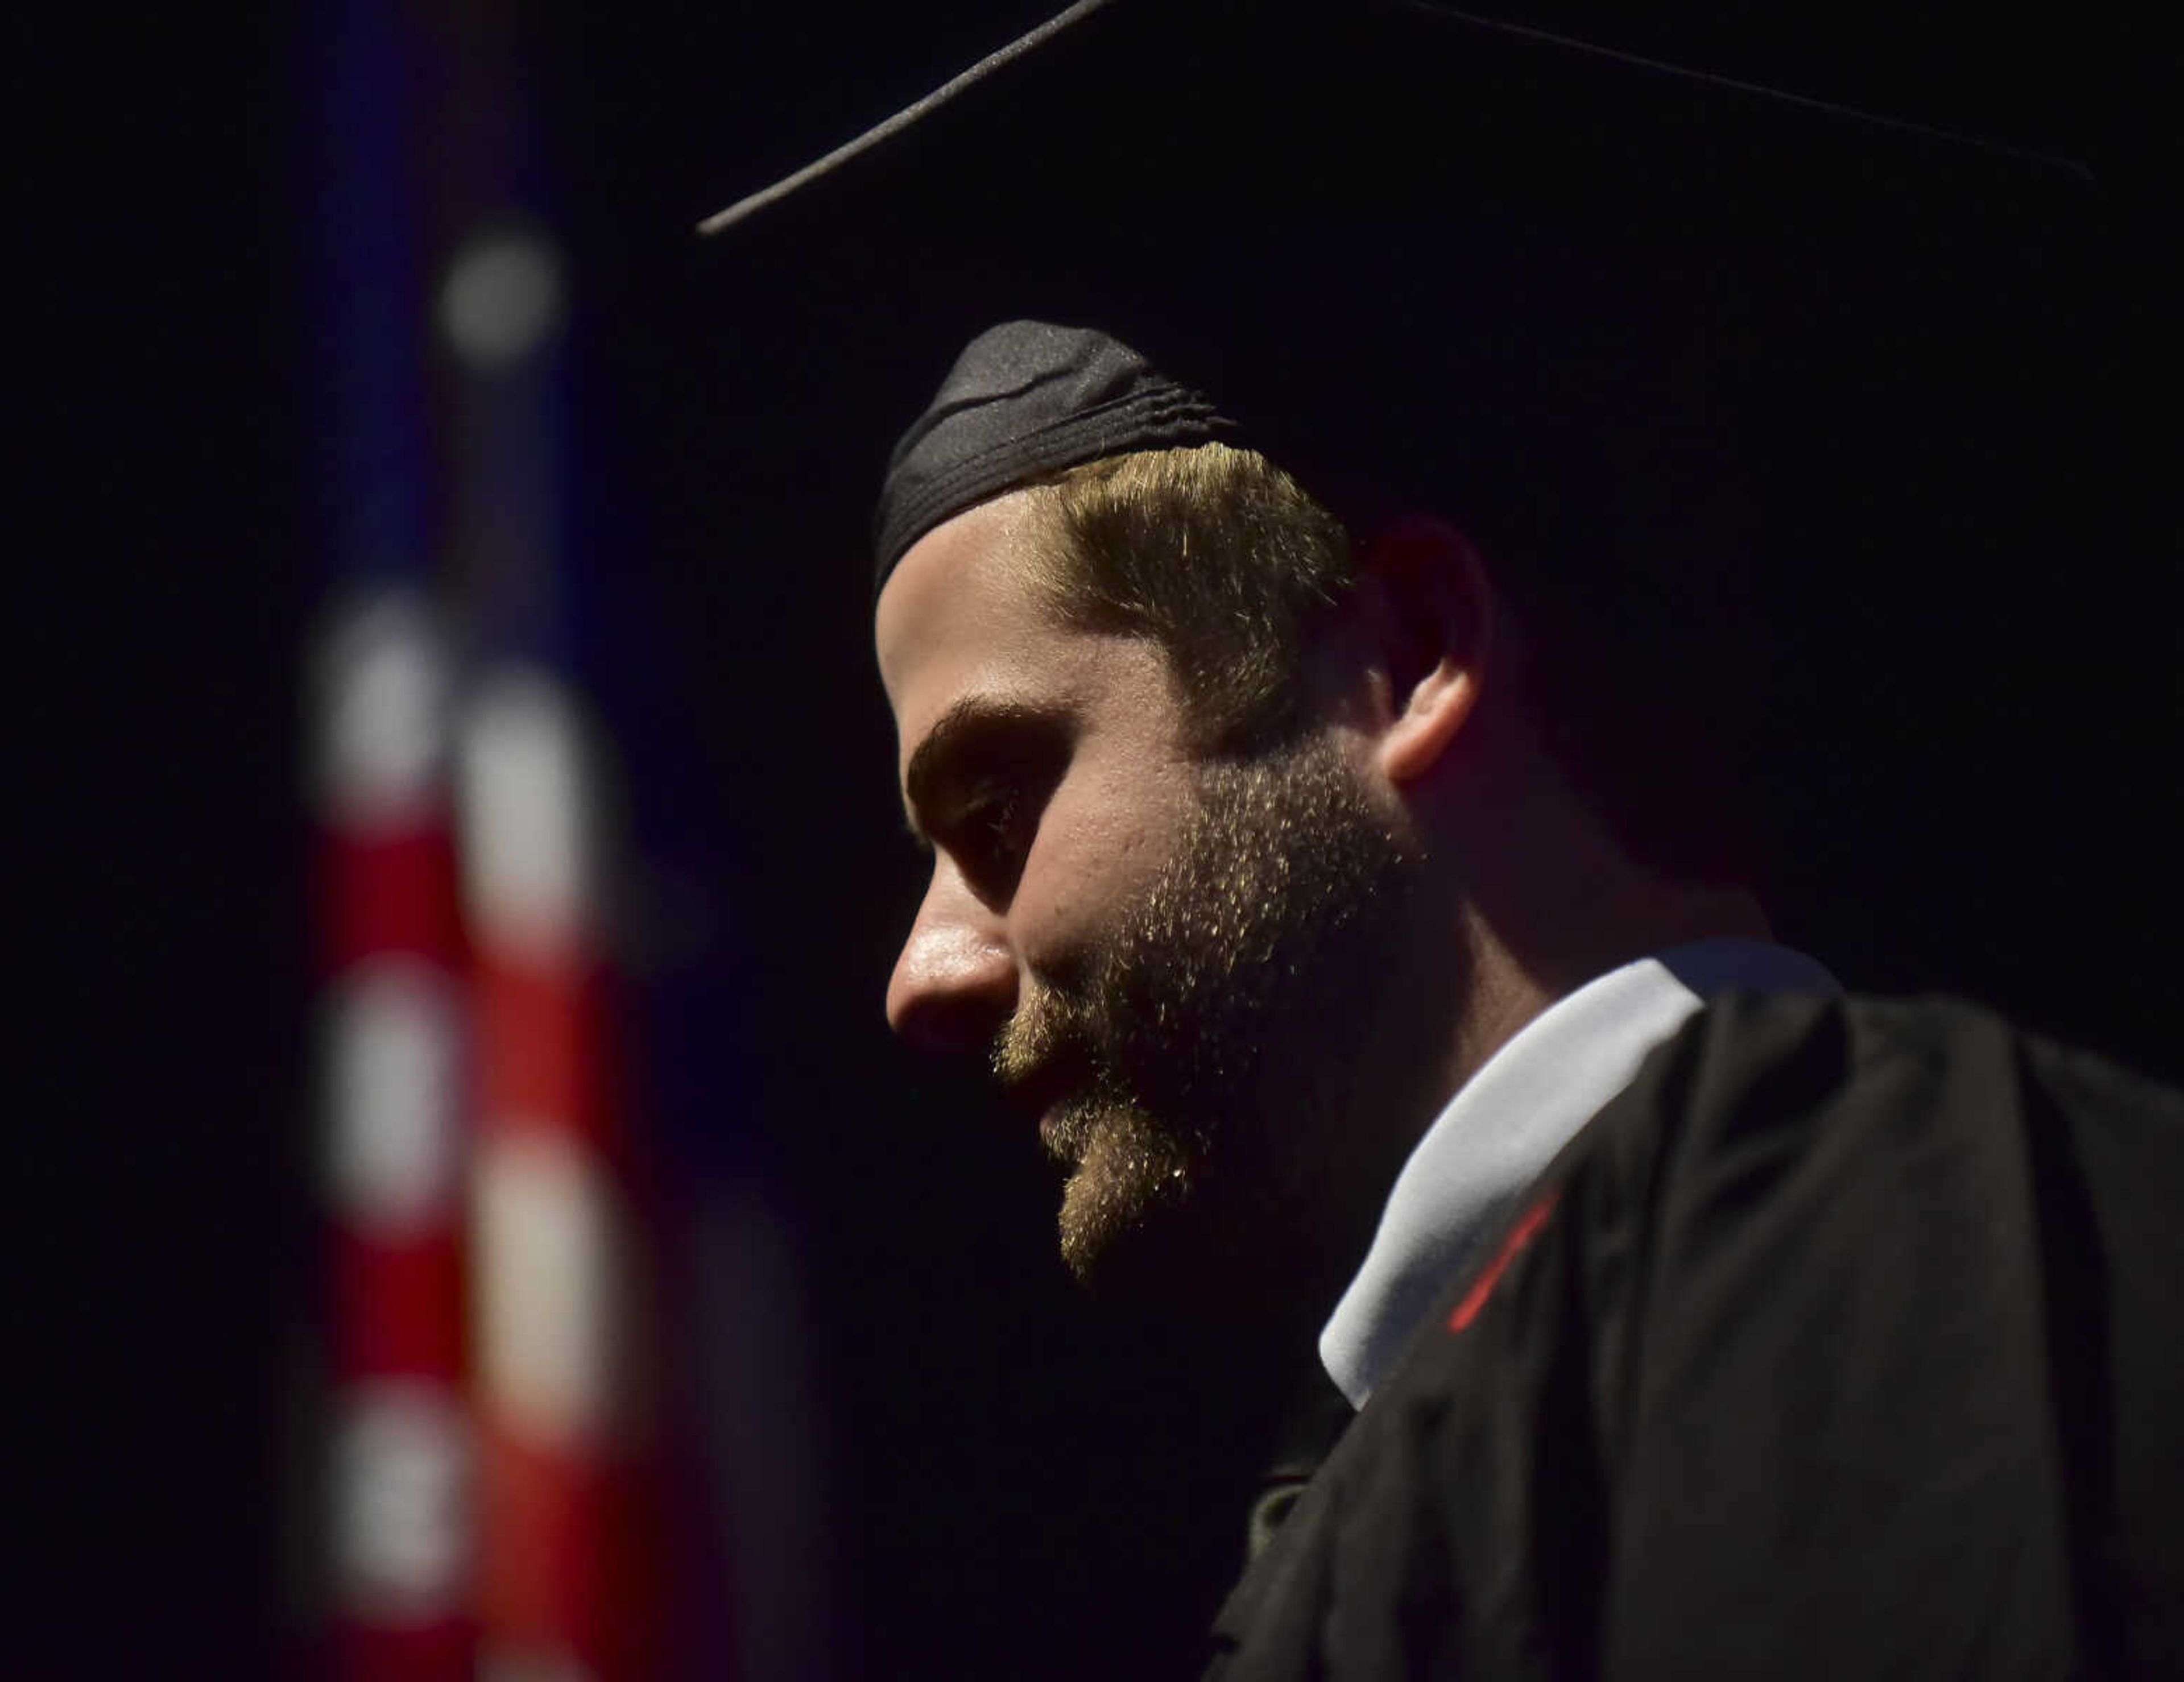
(967,631)
(962,601)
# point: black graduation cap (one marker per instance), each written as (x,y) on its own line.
(1658,339)
(1396,240)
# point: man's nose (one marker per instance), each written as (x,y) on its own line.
(955,982)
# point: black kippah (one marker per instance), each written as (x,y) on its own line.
(1024,399)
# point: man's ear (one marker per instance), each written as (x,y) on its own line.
(1431,610)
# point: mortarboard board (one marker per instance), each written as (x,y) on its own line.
(1395,240)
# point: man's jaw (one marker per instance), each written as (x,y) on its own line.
(1120,1172)
(1118,1167)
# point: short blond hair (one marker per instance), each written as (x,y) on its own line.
(1226,562)
(1214,553)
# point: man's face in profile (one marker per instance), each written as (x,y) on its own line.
(1172,956)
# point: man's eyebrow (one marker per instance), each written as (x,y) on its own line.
(955,734)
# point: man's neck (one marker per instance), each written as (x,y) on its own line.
(1514,975)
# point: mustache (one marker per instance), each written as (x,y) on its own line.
(1051,1041)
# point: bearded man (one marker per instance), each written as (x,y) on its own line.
(1253,866)
(1248,850)
(1329,790)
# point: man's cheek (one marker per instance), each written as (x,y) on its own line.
(1073,919)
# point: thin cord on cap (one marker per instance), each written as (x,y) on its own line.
(911,114)
(1757,90)
(903,119)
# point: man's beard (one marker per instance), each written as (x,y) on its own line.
(1210,1048)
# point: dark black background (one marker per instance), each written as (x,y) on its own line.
(1009,1476)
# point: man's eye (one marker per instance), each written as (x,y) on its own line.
(992,832)
(988,796)
(995,815)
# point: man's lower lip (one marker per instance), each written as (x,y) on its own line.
(1045,1099)
(1054,1130)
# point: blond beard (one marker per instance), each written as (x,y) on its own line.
(1205,1041)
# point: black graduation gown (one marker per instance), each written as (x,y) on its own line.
(1844,1342)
